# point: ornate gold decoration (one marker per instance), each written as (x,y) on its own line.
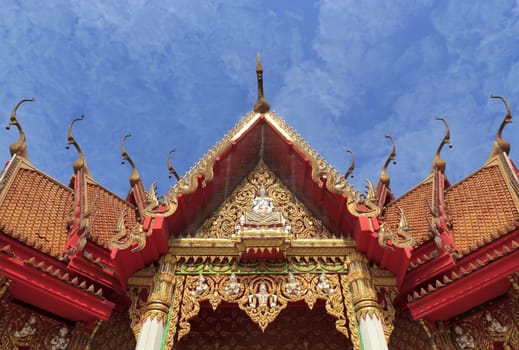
(384,177)
(262,297)
(438,162)
(261,105)
(493,326)
(19,147)
(152,202)
(385,234)
(174,313)
(350,311)
(172,170)
(80,162)
(349,172)
(360,205)
(22,328)
(138,296)
(362,287)
(223,223)
(123,239)
(114,334)
(161,293)
(4,286)
(134,177)
(501,145)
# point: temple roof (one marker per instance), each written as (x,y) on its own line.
(34,208)
(483,206)
(415,207)
(108,207)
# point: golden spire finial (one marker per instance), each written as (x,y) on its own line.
(349,172)
(501,145)
(18,147)
(261,105)
(439,163)
(172,170)
(80,162)
(134,177)
(384,177)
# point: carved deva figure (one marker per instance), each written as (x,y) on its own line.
(464,340)
(263,298)
(262,204)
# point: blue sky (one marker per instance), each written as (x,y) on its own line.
(180,74)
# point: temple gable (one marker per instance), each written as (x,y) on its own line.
(244,211)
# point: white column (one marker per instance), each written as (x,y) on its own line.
(372,333)
(151,334)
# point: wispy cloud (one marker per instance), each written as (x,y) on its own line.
(342,73)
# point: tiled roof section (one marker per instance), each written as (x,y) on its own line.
(481,206)
(415,208)
(35,210)
(109,208)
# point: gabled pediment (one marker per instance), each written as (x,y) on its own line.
(232,217)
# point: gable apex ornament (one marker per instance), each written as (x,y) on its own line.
(18,147)
(438,162)
(501,145)
(80,162)
(384,177)
(261,105)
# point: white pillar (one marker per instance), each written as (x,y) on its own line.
(372,333)
(151,334)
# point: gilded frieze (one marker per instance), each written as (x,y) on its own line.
(261,297)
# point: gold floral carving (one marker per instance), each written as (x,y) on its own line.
(350,311)
(494,326)
(138,296)
(174,313)
(222,224)
(261,297)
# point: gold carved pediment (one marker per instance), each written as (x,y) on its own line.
(298,222)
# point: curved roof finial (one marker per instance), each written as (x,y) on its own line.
(438,162)
(261,105)
(384,177)
(349,172)
(134,177)
(80,162)
(501,145)
(18,147)
(172,170)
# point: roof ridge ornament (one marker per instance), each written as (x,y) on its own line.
(172,170)
(384,177)
(261,105)
(134,177)
(80,162)
(438,162)
(501,145)
(349,172)
(18,147)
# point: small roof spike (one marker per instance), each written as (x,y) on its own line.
(80,162)
(384,177)
(349,172)
(18,147)
(438,162)
(261,105)
(172,170)
(501,145)
(134,177)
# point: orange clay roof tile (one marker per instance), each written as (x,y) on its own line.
(109,208)
(481,206)
(35,209)
(415,208)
